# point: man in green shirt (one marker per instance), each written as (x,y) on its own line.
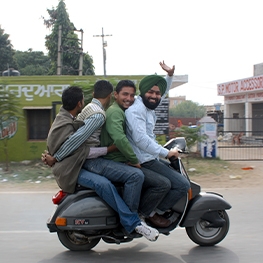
(114,132)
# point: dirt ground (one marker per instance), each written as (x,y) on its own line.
(245,174)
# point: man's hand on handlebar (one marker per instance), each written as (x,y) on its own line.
(173,152)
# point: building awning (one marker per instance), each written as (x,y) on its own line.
(37,108)
(179,80)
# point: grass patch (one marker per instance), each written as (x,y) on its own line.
(207,166)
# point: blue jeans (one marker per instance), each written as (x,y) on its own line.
(108,192)
(132,178)
(179,184)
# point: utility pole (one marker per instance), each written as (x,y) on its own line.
(104,44)
(60,49)
(59,67)
(81,52)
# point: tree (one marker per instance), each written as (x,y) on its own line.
(6,52)
(192,135)
(188,109)
(10,113)
(32,62)
(88,68)
(70,45)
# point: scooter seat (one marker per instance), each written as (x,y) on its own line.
(80,187)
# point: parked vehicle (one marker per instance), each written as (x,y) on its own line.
(82,219)
(11,72)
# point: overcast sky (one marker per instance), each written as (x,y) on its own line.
(211,41)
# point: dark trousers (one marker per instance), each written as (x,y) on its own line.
(161,173)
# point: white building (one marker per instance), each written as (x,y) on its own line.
(243,99)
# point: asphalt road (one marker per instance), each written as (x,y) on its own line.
(24,237)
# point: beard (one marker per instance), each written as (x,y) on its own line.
(150,105)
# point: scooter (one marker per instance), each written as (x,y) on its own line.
(82,219)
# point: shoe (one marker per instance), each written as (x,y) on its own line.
(174,216)
(148,232)
(159,221)
(171,216)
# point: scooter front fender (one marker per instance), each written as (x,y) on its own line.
(201,204)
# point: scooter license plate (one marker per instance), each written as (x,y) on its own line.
(81,221)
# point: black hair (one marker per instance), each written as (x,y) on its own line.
(125,83)
(71,96)
(102,88)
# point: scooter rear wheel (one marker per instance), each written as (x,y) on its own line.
(76,241)
(208,236)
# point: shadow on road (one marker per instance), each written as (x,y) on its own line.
(135,254)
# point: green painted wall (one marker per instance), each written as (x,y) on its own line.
(41,91)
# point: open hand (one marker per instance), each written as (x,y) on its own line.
(170,71)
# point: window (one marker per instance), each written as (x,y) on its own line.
(235,115)
(38,123)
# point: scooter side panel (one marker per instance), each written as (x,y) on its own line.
(201,204)
(90,206)
(84,211)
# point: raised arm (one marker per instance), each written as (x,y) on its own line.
(168,78)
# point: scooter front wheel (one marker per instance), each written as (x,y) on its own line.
(203,235)
(76,241)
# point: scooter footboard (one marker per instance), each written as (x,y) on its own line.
(201,204)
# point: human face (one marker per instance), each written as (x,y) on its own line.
(125,97)
(152,98)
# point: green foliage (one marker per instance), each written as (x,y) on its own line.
(87,88)
(192,135)
(88,68)
(6,52)
(70,45)
(188,109)
(9,104)
(32,63)
(10,112)
(161,139)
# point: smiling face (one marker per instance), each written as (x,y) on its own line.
(152,98)
(125,97)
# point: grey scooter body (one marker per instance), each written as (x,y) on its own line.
(89,218)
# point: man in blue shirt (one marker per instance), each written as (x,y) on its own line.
(140,121)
